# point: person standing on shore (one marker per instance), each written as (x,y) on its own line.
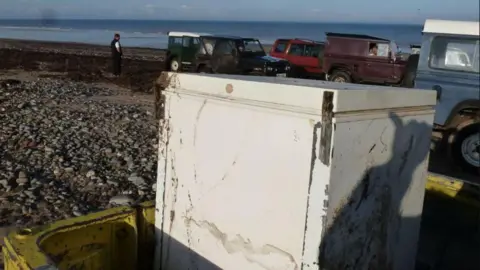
(116,55)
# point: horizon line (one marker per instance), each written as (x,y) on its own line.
(212,20)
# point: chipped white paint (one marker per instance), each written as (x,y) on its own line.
(243,185)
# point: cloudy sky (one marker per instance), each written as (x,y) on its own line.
(408,11)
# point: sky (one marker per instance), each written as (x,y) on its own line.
(391,11)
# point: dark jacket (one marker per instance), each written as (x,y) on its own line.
(115,53)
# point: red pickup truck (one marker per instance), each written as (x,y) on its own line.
(305,56)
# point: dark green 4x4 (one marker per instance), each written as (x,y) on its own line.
(207,53)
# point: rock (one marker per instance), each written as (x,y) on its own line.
(22,181)
(4,183)
(113,183)
(121,200)
(136,180)
(22,174)
(90,174)
(64,154)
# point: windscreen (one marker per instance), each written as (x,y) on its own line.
(208,45)
(251,45)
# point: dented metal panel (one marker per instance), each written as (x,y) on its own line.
(109,239)
(245,160)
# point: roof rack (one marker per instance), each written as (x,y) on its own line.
(188,34)
(309,40)
(343,35)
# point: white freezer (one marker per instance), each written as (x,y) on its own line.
(272,173)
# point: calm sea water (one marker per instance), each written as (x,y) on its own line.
(153,33)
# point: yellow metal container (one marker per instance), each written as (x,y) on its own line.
(124,237)
(117,238)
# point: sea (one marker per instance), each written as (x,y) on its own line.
(153,33)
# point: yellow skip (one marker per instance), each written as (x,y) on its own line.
(463,191)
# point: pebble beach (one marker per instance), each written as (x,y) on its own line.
(73,141)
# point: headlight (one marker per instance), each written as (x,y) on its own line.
(269,68)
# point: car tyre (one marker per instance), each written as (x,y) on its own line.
(174,65)
(409,79)
(204,69)
(410,71)
(340,76)
(466,148)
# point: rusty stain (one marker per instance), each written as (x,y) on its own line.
(371,148)
(160,85)
(326,131)
(189,232)
(229,169)
(229,88)
(172,217)
(197,118)
(313,160)
(174,180)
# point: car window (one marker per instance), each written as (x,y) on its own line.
(187,41)
(281,47)
(208,45)
(251,45)
(312,50)
(297,49)
(175,40)
(453,53)
(224,47)
(378,49)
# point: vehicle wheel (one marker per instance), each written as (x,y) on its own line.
(293,72)
(409,79)
(340,77)
(466,148)
(174,65)
(204,69)
(410,71)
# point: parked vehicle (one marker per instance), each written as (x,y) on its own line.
(449,63)
(415,48)
(196,52)
(366,59)
(304,55)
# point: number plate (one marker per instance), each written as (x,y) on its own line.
(281,74)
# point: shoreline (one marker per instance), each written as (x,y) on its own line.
(9,43)
(76,48)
